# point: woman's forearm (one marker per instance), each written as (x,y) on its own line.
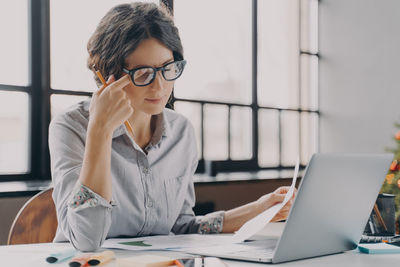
(235,218)
(96,168)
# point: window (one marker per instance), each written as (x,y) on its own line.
(14,120)
(250,87)
(14,48)
(15,88)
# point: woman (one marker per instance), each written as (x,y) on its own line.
(109,182)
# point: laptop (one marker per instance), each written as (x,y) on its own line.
(332,206)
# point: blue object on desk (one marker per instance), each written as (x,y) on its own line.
(61,256)
(378,248)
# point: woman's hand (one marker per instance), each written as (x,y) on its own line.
(269,200)
(110,107)
(235,218)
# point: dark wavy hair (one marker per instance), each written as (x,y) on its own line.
(122,29)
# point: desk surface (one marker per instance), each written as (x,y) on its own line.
(34,255)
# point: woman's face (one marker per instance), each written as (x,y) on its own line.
(152,98)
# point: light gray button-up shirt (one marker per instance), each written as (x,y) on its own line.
(152,190)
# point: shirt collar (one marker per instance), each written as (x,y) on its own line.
(119,131)
(162,129)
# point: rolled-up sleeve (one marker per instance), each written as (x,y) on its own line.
(84,217)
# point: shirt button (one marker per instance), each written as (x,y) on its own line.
(149,203)
(146,170)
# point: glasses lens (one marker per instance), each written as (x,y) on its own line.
(173,70)
(143,76)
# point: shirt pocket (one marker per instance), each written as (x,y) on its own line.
(175,193)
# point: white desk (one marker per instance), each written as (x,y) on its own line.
(34,256)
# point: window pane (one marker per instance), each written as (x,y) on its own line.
(69,39)
(61,102)
(241,147)
(14,42)
(268,138)
(309,25)
(290,134)
(192,111)
(309,136)
(278,53)
(309,82)
(215,132)
(216,37)
(14,122)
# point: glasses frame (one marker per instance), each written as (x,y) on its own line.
(162,69)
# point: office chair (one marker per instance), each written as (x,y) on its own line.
(36,221)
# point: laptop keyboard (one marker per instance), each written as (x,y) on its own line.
(374,239)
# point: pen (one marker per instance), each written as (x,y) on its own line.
(380,219)
(178,263)
(127,124)
(60,256)
(393,239)
(80,260)
(101,258)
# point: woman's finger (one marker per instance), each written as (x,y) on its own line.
(101,89)
(121,82)
(284,189)
(277,198)
(112,84)
(111,79)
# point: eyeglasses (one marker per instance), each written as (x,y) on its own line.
(143,76)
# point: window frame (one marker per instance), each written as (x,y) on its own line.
(40,92)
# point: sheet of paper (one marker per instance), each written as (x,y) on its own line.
(160,242)
(270,231)
(231,248)
(256,224)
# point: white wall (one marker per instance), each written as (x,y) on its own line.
(359,74)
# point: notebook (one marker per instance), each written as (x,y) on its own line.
(332,206)
(378,248)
